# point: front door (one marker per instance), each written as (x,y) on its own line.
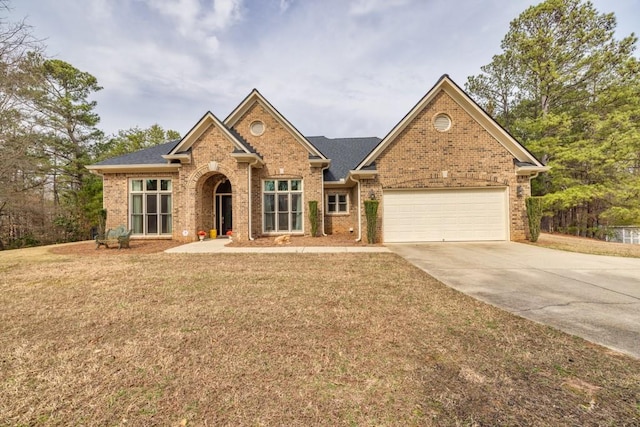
(223,212)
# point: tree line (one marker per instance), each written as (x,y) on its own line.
(566,88)
(48,134)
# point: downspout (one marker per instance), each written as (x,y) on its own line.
(324,233)
(359,215)
(250,166)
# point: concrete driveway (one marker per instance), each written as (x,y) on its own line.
(591,296)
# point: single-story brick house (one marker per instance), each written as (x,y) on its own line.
(446,172)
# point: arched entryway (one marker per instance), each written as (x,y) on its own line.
(214,204)
(223,203)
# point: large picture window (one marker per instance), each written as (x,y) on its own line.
(282,205)
(150,206)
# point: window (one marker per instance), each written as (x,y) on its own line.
(150,206)
(282,205)
(337,204)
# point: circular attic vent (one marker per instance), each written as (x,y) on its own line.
(442,122)
(256,128)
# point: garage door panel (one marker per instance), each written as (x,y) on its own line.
(449,215)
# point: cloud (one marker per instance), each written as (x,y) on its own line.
(365,7)
(284,5)
(334,67)
(197,21)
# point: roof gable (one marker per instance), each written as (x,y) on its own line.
(199,128)
(447,85)
(256,97)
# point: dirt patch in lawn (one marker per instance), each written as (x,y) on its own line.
(284,339)
(587,246)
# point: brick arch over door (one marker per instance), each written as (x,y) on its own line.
(198,197)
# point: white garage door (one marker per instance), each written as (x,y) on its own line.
(445,215)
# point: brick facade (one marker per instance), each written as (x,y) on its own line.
(418,156)
(465,156)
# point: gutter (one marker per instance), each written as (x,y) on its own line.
(356,176)
(359,215)
(250,166)
(324,231)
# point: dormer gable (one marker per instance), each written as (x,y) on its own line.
(316,158)
(182,151)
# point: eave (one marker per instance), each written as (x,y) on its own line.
(357,175)
(320,163)
(343,183)
(252,158)
(184,158)
(159,167)
(532,171)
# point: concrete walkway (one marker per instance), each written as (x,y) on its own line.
(218,246)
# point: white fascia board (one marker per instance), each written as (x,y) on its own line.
(357,175)
(320,163)
(251,158)
(531,170)
(184,158)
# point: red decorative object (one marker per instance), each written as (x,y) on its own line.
(201,233)
(230,233)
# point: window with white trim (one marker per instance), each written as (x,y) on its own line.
(282,205)
(150,206)
(337,203)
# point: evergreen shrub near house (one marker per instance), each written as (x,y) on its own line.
(313,217)
(534,215)
(371,211)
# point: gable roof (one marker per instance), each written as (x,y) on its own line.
(256,97)
(199,128)
(345,154)
(520,153)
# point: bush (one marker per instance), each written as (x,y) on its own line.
(534,214)
(313,217)
(371,211)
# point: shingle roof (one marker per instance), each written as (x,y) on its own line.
(147,156)
(345,153)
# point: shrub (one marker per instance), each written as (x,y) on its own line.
(534,214)
(313,217)
(371,211)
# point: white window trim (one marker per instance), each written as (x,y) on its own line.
(144,192)
(337,212)
(276,192)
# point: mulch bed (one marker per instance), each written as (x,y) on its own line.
(88,248)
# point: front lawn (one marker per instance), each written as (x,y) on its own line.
(132,338)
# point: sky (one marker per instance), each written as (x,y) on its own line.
(338,68)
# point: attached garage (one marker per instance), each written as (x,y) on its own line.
(470,214)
